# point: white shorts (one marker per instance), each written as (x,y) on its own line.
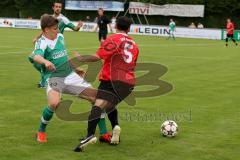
(171,32)
(72,84)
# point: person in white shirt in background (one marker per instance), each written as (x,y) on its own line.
(200,26)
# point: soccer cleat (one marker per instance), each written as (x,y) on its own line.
(116,135)
(41,137)
(105,138)
(85,142)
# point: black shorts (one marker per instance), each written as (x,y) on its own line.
(102,35)
(114,91)
(229,35)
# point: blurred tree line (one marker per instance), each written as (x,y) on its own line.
(216,11)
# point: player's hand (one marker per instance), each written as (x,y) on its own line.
(49,65)
(76,54)
(74,62)
(80,24)
(80,72)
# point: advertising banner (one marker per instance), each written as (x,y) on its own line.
(146,30)
(5,22)
(94,5)
(34,24)
(179,10)
(236,35)
(180,32)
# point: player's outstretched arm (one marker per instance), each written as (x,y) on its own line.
(86,58)
(40,60)
(74,64)
(78,27)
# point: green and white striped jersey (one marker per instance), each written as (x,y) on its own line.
(55,52)
(64,23)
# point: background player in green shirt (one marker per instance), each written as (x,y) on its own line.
(50,52)
(172,29)
(64,21)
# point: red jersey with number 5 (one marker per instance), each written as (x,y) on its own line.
(230,28)
(119,53)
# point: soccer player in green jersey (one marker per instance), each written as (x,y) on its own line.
(50,52)
(63,23)
(172,29)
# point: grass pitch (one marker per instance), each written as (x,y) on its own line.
(205,103)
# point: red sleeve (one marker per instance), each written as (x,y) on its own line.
(107,49)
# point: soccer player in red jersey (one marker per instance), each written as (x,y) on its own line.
(230,32)
(119,53)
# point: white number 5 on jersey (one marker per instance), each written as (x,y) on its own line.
(128,55)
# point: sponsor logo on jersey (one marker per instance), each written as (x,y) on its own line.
(59,54)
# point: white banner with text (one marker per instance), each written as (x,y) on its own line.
(180,10)
(148,30)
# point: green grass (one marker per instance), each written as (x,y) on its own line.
(205,76)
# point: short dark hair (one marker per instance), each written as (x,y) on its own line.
(48,21)
(100,9)
(123,23)
(57,1)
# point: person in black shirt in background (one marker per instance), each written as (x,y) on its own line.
(102,23)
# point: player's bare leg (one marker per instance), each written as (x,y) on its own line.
(89,94)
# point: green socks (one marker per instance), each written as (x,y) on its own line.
(46,117)
(48,114)
(102,126)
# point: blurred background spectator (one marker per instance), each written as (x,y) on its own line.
(88,19)
(192,25)
(200,26)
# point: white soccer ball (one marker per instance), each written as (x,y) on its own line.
(169,128)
